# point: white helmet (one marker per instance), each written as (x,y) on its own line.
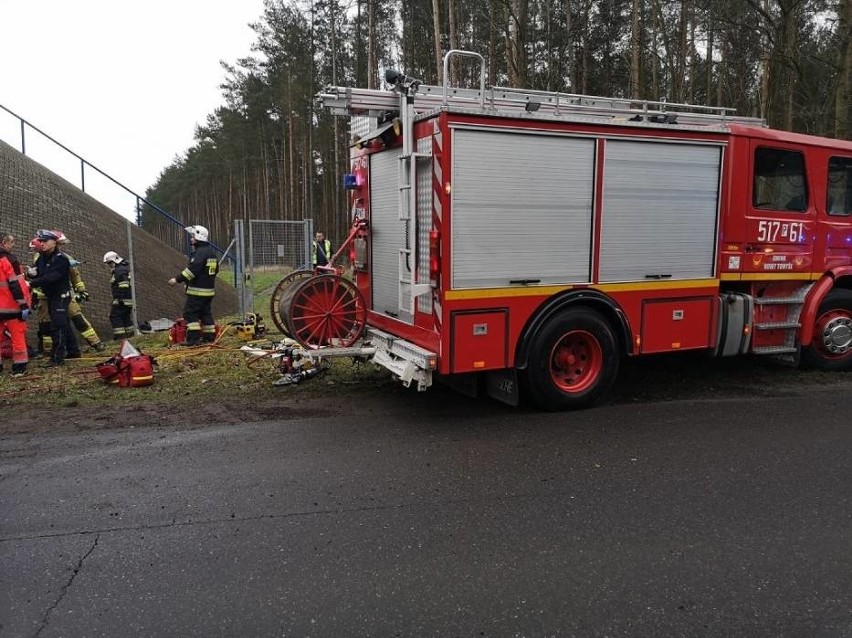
(198,233)
(112,256)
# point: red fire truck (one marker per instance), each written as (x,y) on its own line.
(523,242)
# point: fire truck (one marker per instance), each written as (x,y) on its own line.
(520,243)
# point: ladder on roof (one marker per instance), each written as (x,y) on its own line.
(503,100)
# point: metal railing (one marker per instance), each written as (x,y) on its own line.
(140,200)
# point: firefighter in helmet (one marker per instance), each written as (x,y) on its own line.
(121,313)
(200,279)
(75,312)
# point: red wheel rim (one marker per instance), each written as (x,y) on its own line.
(833,334)
(576,361)
(326,310)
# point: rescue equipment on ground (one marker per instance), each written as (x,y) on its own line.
(129,368)
(177,333)
(292,361)
(251,327)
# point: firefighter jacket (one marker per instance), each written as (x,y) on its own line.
(200,274)
(122,294)
(53,274)
(14,291)
(77,284)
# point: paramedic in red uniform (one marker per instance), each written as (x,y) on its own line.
(200,279)
(14,305)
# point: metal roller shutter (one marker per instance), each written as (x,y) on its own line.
(660,209)
(521,208)
(387,232)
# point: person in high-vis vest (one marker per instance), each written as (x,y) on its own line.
(75,311)
(121,312)
(14,305)
(200,279)
(320,250)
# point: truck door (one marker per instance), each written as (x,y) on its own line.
(834,227)
(781,216)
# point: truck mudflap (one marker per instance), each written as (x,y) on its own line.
(407,361)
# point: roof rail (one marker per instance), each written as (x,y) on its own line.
(505,101)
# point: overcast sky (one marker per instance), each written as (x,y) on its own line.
(122,84)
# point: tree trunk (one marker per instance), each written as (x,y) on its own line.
(516,45)
(633,91)
(766,60)
(569,47)
(436,28)
(454,41)
(843,97)
(372,65)
(708,77)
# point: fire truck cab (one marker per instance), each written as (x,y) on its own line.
(523,242)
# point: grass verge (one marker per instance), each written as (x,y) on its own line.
(182,376)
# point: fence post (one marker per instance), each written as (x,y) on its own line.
(133,314)
(240,266)
(309,237)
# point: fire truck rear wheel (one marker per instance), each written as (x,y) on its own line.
(573,361)
(831,348)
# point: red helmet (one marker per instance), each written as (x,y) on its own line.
(35,244)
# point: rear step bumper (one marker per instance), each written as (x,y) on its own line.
(409,362)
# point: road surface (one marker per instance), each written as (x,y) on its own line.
(439,515)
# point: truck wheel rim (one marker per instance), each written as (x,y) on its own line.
(834,334)
(576,361)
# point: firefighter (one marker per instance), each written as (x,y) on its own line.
(51,274)
(42,309)
(120,315)
(200,279)
(14,305)
(320,250)
(75,312)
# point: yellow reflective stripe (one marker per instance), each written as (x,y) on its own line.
(126,284)
(767,276)
(533,291)
(186,273)
(200,292)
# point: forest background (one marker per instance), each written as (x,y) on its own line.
(270,153)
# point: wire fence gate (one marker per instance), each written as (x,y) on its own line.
(265,251)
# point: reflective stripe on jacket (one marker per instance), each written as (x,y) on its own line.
(200,274)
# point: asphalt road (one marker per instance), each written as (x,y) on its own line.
(438,515)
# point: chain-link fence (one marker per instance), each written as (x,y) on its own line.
(265,251)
